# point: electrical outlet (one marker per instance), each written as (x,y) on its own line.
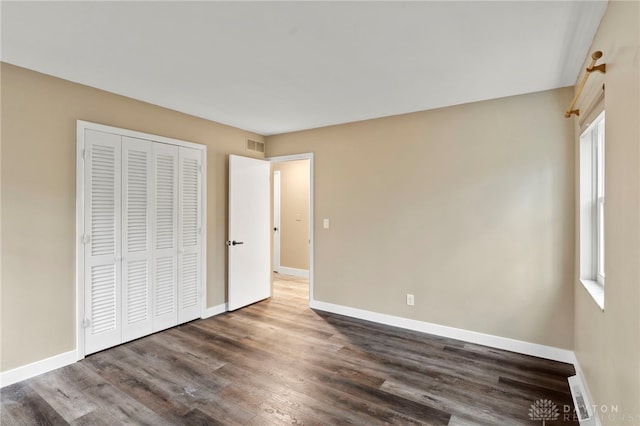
(410,299)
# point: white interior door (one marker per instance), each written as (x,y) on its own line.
(189,235)
(276,221)
(136,238)
(141,209)
(102,241)
(165,236)
(248,245)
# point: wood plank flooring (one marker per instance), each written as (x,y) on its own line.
(279,362)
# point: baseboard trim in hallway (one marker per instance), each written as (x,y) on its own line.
(301,273)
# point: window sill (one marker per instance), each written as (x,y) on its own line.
(595,290)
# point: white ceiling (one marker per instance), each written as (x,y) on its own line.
(275,67)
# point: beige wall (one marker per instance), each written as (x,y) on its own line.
(294,213)
(470,208)
(607,344)
(39,116)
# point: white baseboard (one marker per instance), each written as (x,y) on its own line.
(548,352)
(57,361)
(519,346)
(215,310)
(303,273)
(39,367)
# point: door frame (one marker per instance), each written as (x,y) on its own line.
(81,126)
(295,157)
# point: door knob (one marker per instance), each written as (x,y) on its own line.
(234,243)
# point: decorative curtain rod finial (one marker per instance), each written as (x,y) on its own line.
(591,68)
(601,68)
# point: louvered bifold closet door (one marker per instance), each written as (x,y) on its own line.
(165,236)
(102,240)
(136,239)
(189,235)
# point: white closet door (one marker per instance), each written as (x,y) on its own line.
(189,235)
(136,239)
(102,240)
(165,236)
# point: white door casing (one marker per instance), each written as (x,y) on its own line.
(306,156)
(249,235)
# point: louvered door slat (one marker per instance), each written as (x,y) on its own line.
(102,219)
(165,233)
(165,289)
(189,282)
(103,198)
(137,292)
(103,299)
(166,193)
(189,204)
(136,258)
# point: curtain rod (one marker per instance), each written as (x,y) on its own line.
(593,67)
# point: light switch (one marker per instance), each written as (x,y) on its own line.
(325,224)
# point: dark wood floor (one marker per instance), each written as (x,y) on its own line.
(279,362)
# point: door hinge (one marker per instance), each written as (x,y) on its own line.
(85,239)
(86,323)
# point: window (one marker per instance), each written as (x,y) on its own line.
(598,136)
(592,199)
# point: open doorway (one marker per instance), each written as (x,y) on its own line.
(292,247)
